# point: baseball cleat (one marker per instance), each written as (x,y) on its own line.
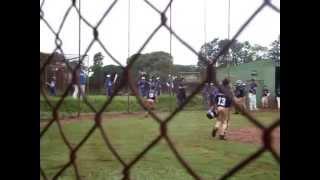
(222,137)
(214,131)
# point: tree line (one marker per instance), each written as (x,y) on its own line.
(160,64)
(239,52)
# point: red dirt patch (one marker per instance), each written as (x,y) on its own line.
(253,136)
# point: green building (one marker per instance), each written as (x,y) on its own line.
(266,73)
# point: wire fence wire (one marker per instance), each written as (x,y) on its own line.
(127,80)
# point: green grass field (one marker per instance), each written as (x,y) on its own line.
(71,106)
(190,132)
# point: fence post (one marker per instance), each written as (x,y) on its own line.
(128,100)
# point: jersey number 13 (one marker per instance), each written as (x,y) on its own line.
(221,101)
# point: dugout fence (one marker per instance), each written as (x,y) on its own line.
(127,80)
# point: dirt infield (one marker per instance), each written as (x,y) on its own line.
(253,136)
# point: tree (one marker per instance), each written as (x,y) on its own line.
(247,53)
(208,52)
(185,68)
(97,62)
(154,64)
(274,52)
(97,78)
(260,52)
(211,50)
(236,55)
(239,52)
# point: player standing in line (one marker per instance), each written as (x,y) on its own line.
(265,97)
(151,99)
(252,95)
(221,109)
(278,97)
(240,95)
(151,83)
(52,86)
(142,86)
(79,89)
(83,81)
(109,85)
(181,94)
(158,86)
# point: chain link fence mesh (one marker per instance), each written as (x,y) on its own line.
(126,78)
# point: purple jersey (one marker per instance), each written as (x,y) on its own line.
(278,92)
(239,91)
(253,88)
(142,83)
(109,82)
(265,92)
(52,84)
(82,78)
(222,100)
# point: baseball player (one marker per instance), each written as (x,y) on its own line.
(170,84)
(221,109)
(265,97)
(212,93)
(181,94)
(252,95)
(81,79)
(278,97)
(142,85)
(109,85)
(151,99)
(239,93)
(52,86)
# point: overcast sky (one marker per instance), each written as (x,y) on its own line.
(188,19)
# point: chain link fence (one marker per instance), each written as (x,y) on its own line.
(126,79)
